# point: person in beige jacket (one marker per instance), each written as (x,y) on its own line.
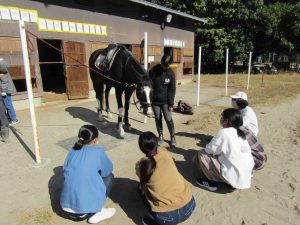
(167,194)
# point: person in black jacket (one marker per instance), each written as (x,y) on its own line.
(164,88)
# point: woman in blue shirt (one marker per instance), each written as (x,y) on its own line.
(88,179)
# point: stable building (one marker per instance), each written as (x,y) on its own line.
(79,27)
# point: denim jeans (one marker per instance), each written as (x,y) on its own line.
(9,107)
(108,182)
(176,216)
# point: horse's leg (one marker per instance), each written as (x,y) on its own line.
(99,97)
(119,93)
(107,90)
(128,93)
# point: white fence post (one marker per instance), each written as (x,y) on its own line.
(226,75)
(199,73)
(146,51)
(249,69)
(29,90)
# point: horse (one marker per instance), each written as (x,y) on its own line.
(125,74)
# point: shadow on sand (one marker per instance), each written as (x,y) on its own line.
(16,132)
(123,192)
(55,186)
(204,139)
(188,168)
(106,127)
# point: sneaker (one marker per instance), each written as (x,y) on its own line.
(14,122)
(205,183)
(104,214)
(148,220)
(78,217)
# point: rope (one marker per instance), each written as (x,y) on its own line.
(107,77)
(135,103)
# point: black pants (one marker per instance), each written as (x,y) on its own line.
(160,110)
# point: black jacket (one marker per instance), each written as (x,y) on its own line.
(164,85)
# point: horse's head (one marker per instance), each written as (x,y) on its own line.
(144,94)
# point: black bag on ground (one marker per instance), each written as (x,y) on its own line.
(184,108)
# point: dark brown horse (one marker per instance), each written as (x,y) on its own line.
(125,75)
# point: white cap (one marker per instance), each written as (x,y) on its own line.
(241,95)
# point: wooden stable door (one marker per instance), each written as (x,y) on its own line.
(76,74)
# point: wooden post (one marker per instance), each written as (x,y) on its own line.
(29,90)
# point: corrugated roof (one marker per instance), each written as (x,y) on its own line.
(169,10)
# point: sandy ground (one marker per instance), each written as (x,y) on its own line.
(30,193)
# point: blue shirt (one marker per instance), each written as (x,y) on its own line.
(83,189)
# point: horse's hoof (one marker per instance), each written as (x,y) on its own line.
(109,116)
(100,118)
(121,133)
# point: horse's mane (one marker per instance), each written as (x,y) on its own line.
(133,66)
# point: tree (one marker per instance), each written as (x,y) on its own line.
(242,26)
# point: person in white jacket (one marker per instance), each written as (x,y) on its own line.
(250,127)
(240,101)
(227,158)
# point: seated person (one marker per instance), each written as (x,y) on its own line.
(88,179)
(227,158)
(166,193)
(240,101)
(250,128)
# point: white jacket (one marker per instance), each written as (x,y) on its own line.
(234,155)
(250,119)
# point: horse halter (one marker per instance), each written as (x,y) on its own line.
(143,104)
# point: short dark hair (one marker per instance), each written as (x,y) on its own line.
(166,60)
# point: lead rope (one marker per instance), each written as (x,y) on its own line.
(65,54)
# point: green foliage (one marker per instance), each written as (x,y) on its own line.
(242,26)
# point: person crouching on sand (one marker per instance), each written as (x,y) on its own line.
(88,179)
(165,192)
(250,127)
(227,158)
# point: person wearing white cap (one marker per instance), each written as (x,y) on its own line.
(240,101)
(250,128)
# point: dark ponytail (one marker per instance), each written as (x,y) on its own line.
(235,120)
(148,144)
(86,134)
